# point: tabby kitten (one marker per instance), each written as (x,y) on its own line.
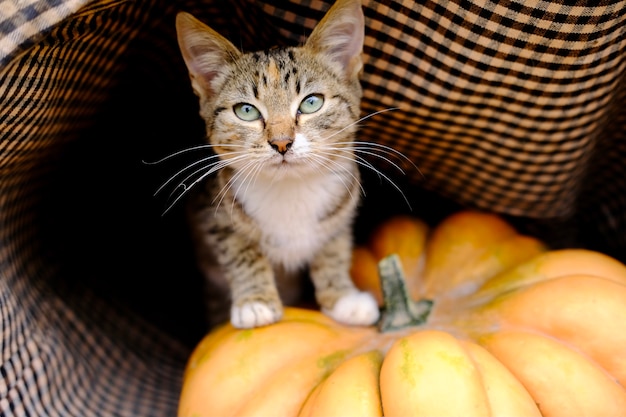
(282,123)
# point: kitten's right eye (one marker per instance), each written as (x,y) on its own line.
(246,112)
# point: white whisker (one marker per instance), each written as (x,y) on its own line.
(186,150)
(364,163)
(360,120)
(363,150)
(214,167)
(373,147)
(219,197)
(181,172)
(210,168)
(256,167)
(329,164)
(206,172)
(325,155)
(188,167)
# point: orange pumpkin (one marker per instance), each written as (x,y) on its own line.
(492,323)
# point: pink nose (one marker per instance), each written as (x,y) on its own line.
(281,145)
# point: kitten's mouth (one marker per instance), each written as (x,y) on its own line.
(279,159)
(285,163)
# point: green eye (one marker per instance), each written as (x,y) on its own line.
(246,112)
(311,104)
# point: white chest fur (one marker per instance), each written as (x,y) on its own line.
(290,213)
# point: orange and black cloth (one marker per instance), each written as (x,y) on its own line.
(514,107)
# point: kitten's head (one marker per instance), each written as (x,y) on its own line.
(286,109)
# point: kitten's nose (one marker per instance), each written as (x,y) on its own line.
(281,145)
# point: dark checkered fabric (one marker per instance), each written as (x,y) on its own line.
(514,107)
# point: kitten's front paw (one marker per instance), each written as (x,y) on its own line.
(355,309)
(254,314)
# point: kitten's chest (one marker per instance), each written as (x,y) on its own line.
(295,218)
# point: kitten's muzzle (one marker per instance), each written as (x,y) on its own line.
(281,145)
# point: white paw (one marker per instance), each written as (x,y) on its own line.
(253,314)
(355,309)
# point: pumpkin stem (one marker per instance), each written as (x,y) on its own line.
(399,310)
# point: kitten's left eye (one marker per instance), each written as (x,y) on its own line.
(311,104)
(247,112)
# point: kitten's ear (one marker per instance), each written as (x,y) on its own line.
(339,35)
(204,50)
